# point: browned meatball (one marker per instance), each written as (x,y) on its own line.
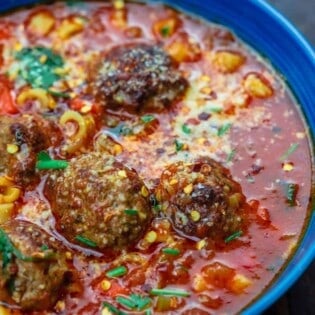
(32,269)
(138,77)
(99,203)
(29,135)
(201,199)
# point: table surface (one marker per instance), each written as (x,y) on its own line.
(300,299)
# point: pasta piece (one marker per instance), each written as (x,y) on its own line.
(40,23)
(6,210)
(70,26)
(40,95)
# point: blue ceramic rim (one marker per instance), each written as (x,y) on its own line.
(305,254)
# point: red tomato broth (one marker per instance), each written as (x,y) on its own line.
(260,133)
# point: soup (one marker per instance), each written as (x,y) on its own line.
(150,163)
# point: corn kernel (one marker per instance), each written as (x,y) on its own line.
(119,4)
(173,181)
(12,148)
(122,174)
(151,237)
(68,255)
(199,284)
(188,189)
(195,215)
(144,191)
(287,167)
(201,140)
(86,109)
(42,58)
(256,87)
(106,311)
(5,213)
(201,244)
(60,306)
(205,78)
(105,285)
(226,61)
(117,149)
(18,46)
(206,90)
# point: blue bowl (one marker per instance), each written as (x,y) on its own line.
(272,35)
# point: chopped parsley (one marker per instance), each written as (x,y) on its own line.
(165,31)
(84,240)
(233,236)
(147,118)
(186,129)
(231,156)
(8,250)
(171,251)
(131,211)
(293,147)
(223,129)
(291,192)
(44,162)
(38,65)
(134,302)
(179,146)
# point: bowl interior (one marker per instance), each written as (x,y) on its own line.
(269,33)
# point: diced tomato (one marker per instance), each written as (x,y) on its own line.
(7,104)
(117,289)
(5,31)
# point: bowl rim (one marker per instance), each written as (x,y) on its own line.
(305,253)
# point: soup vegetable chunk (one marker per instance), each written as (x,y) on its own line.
(151,163)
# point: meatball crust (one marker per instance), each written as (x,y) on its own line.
(201,199)
(98,199)
(138,78)
(29,134)
(34,275)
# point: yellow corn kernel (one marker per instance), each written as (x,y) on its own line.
(117,149)
(201,140)
(206,90)
(44,98)
(199,284)
(188,189)
(18,46)
(144,191)
(226,61)
(70,27)
(43,58)
(106,311)
(119,4)
(6,210)
(151,237)
(255,86)
(195,215)
(287,167)
(41,23)
(205,78)
(105,285)
(61,71)
(122,174)
(86,109)
(12,148)
(239,283)
(201,244)
(60,306)
(173,181)
(68,255)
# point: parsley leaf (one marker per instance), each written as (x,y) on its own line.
(291,192)
(186,129)
(147,119)
(178,145)
(38,65)
(224,129)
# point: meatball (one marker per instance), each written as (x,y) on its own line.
(99,203)
(21,138)
(32,269)
(201,199)
(138,77)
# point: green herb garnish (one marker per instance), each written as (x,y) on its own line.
(178,145)
(45,162)
(223,129)
(291,150)
(165,31)
(186,129)
(170,292)
(38,65)
(117,272)
(135,302)
(171,251)
(233,236)
(85,241)
(59,94)
(291,191)
(131,211)
(147,118)
(8,250)
(231,156)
